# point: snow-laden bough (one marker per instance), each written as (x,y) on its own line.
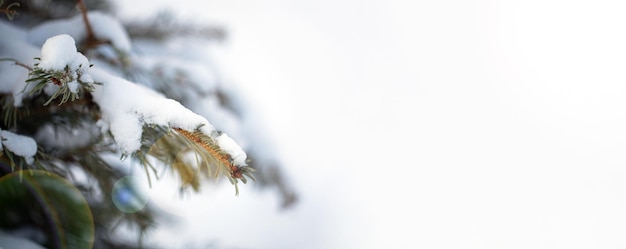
(128,108)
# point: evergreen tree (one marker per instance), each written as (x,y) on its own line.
(85,96)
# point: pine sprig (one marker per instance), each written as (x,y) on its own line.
(190,155)
(221,159)
(62,79)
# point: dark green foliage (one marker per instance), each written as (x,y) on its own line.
(49,202)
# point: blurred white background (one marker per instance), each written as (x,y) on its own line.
(424,124)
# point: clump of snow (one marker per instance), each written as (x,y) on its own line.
(59,54)
(104,27)
(127,107)
(232,148)
(23,146)
(60,51)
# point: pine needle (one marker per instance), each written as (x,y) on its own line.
(192,153)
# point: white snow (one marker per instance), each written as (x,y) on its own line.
(85,78)
(73,86)
(127,107)
(108,28)
(60,51)
(104,27)
(232,148)
(23,146)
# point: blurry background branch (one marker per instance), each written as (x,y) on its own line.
(165,25)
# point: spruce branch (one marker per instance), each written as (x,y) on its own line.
(223,160)
(190,155)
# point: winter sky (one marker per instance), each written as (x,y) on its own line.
(426,124)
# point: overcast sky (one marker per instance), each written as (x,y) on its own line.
(431,124)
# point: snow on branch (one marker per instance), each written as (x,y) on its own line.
(127,108)
(64,67)
(131,113)
(23,146)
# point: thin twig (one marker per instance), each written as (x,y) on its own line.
(83,9)
(17,63)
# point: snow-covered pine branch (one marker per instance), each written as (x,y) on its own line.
(127,108)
